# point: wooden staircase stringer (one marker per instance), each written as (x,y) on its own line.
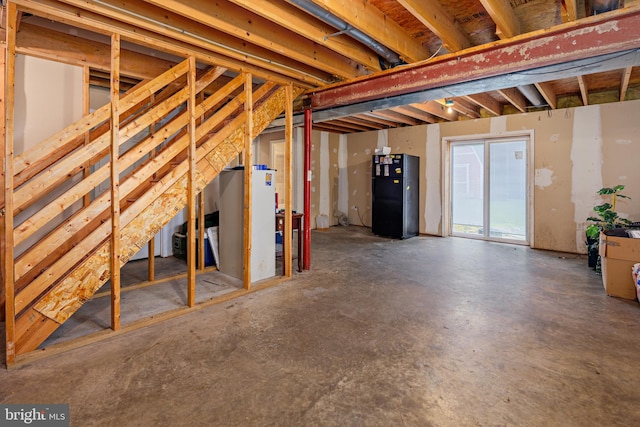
(40,320)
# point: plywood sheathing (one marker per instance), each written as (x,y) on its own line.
(34,326)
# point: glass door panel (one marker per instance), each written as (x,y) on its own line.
(508,190)
(489,189)
(467,189)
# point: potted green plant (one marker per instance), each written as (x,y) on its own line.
(607,219)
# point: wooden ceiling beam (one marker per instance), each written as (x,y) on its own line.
(394,116)
(297,21)
(56,46)
(584,91)
(464,107)
(239,22)
(547,92)
(434,17)
(486,102)
(363,122)
(608,33)
(416,113)
(348,125)
(515,98)
(376,119)
(507,23)
(624,84)
(328,127)
(437,109)
(178,43)
(371,21)
(571,9)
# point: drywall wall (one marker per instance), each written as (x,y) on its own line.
(325,149)
(42,109)
(575,152)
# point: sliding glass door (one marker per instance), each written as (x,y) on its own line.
(489,189)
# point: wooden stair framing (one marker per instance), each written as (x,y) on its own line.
(62,251)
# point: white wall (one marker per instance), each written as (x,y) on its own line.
(48,99)
(42,109)
(576,152)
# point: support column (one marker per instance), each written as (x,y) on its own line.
(201,246)
(86,110)
(248,176)
(308,125)
(7,156)
(151,246)
(115,182)
(191,193)
(288,181)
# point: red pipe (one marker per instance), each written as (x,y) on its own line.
(308,124)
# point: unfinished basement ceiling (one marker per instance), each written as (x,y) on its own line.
(318,44)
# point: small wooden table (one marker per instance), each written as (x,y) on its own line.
(296,224)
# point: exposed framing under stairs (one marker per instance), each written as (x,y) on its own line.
(157,146)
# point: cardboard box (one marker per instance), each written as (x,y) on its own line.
(619,254)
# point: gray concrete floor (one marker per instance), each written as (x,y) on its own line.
(421,332)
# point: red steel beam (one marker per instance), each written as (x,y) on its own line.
(593,36)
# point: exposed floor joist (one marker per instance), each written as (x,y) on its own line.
(592,37)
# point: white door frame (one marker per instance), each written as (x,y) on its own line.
(446,176)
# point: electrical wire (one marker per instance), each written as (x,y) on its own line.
(360,216)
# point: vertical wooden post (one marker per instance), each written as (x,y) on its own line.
(191,182)
(7,238)
(115,182)
(202,249)
(308,127)
(288,180)
(151,246)
(3,56)
(86,110)
(248,176)
(201,245)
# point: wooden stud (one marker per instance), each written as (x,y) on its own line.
(191,191)
(200,230)
(151,261)
(248,175)
(151,246)
(115,182)
(140,222)
(11,17)
(202,248)
(3,56)
(86,110)
(288,181)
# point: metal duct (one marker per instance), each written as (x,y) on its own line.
(596,7)
(308,6)
(531,93)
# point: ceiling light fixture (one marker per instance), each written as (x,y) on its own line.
(449,104)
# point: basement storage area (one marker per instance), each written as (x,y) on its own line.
(194,229)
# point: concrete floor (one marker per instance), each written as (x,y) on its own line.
(421,332)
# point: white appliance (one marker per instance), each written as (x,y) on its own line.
(263,220)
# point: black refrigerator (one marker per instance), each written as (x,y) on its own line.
(395,194)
